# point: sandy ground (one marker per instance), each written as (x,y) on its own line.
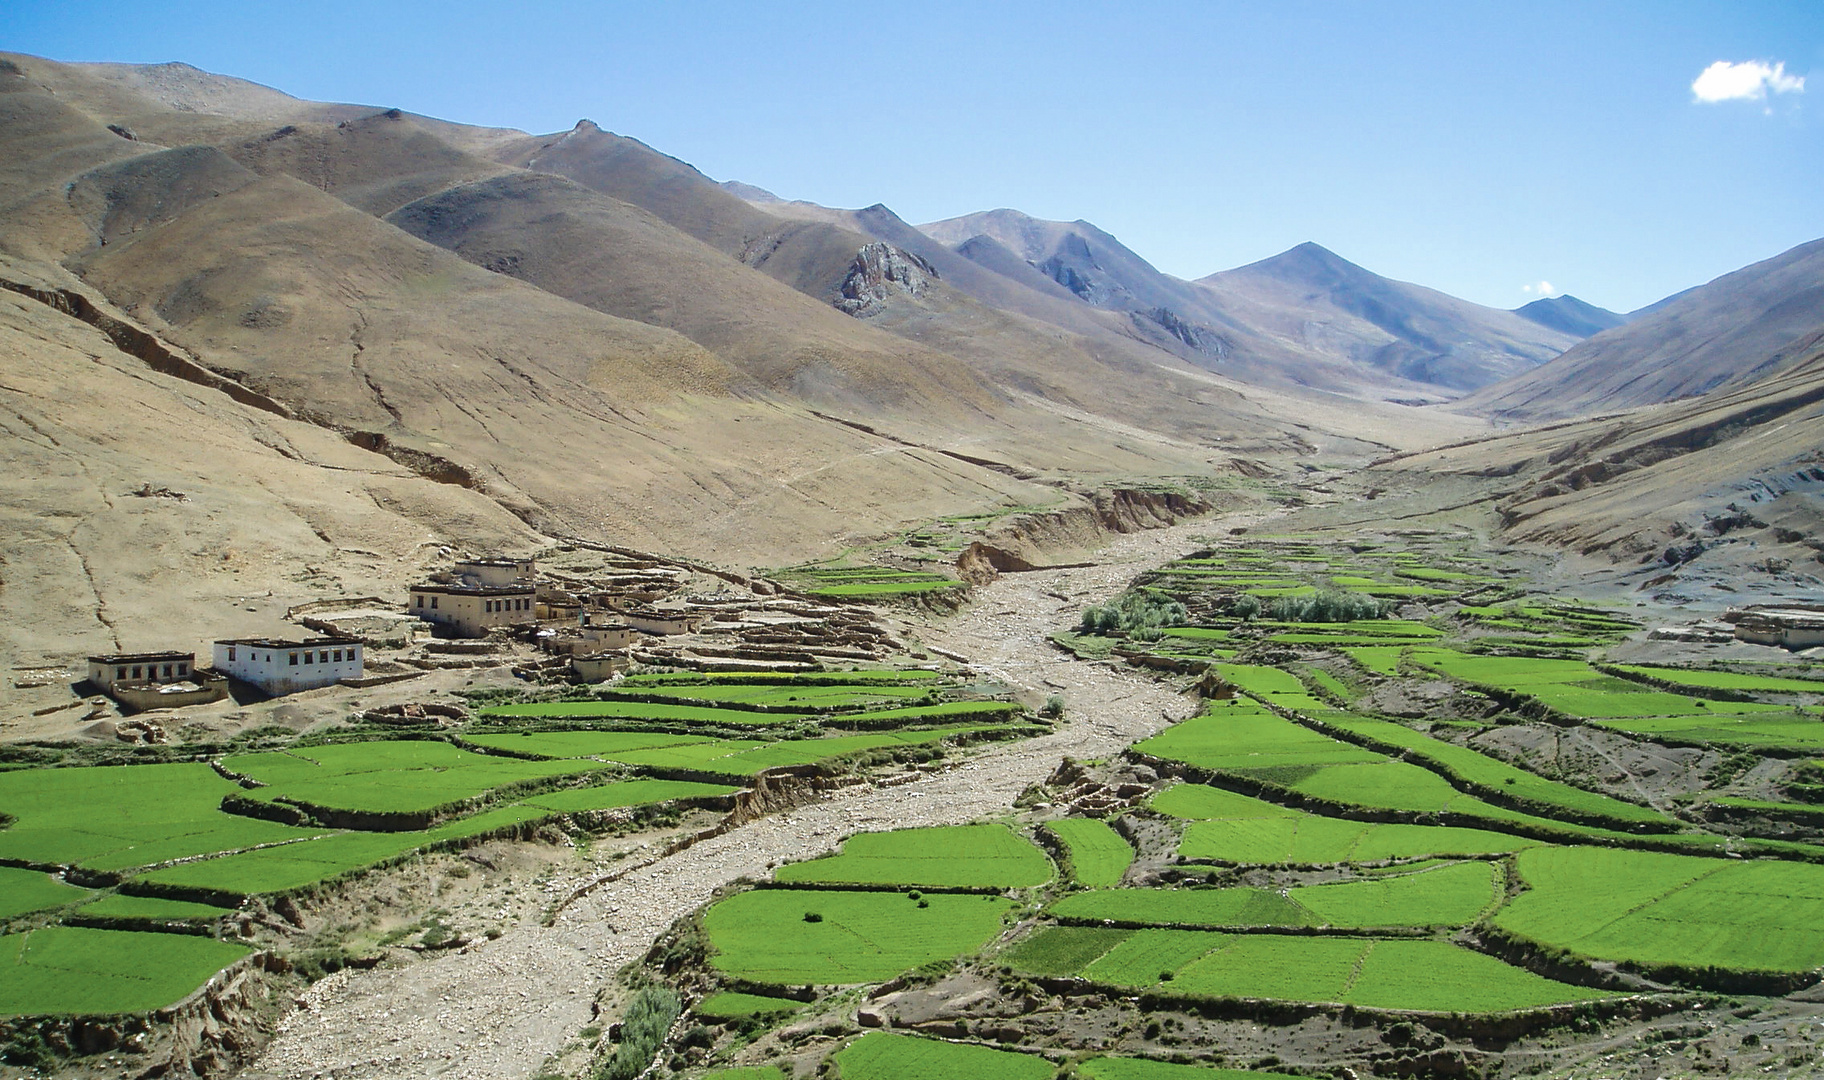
(500,1008)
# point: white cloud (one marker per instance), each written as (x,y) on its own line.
(1750,80)
(1539,288)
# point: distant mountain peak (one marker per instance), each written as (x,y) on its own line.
(1570,315)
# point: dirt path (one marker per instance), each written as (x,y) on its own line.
(498,1009)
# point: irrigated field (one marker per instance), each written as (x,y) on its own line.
(22,891)
(959,856)
(880,1056)
(1452,895)
(1099,855)
(1401,974)
(641,710)
(766,935)
(403,776)
(117,817)
(68,969)
(1654,909)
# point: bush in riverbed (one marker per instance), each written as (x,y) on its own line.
(642,1033)
(1138,615)
(1329,606)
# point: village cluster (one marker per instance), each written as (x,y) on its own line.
(582,626)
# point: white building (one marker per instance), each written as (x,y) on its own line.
(470,611)
(286,667)
(496,573)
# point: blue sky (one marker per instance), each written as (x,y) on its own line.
(1474,147)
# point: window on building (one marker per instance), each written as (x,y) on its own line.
(310,658)
(418,601)
(167,671)
(294,659)
(136,673)
(120,673)
(433,601)
(230,654)
(183,669)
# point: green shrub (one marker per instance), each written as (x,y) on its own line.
(1328,606)
(1138,615)
(642,1032)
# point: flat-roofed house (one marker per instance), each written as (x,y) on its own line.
(286,667)
(107,672)
(470,611)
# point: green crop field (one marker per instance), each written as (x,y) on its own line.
(949,710)
(1183,907)
(1240,829)
(122,906)
(1400,785)
(1063,950)
(1142,958)
(860,936)
(1243,735)
(1382,659)
(1478,768)
(1278,687)
(1576,689)
(1727,680)
(626,793)
(729,1005)
(804,697)
(1414,975)
(640,710)
(1450,895)
(880,1056)
(22,891)
(1790,730)
(1651,908)
(291,866)
(572,744)
(67,969)
(957,856)
(403,776)
(117,817)
(1099,855)
(780,678)
(1112,1068)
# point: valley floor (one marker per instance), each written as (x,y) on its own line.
(501,1008)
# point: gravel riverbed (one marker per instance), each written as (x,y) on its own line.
(499,1008)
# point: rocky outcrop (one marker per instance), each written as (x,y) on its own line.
(1197,336)
(878,272)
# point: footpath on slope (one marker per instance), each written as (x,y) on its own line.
(498,1009)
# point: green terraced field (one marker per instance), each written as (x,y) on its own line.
(862,936)
(22,891)
(1789,731)
(1063,950)
(640,710)
(1240,734)
(1237,829)
(1404,975)
(779,678)
(1382,659)
(1481,769)
(67,969)
(626,793)
(572,744)
(729,1005)
(403,776)
(1451,895)
(1183,907)
(1727,680)
(880,1056)
(803,697)
(292,866)
(117,817)
(958,856)
(122,906)
(1111,1068)
(1574,688)
(1099,855)
(1680,910)
(994,711)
